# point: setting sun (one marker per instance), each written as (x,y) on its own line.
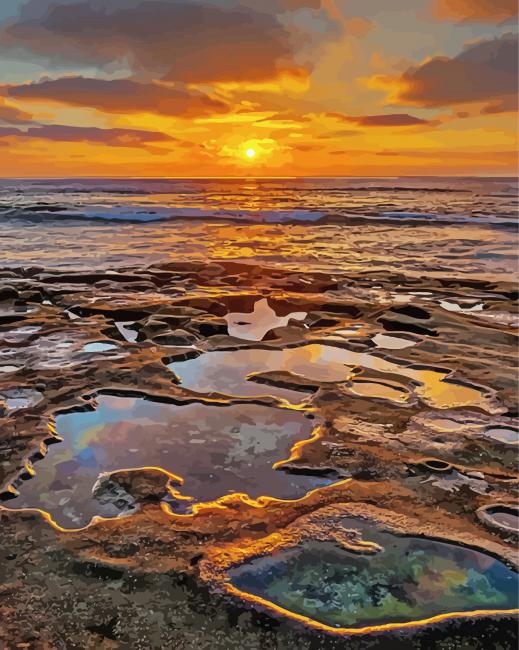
(250,153)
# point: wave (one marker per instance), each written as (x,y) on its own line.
(139,214)
(127,214)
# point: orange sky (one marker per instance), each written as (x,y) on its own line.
(306,87)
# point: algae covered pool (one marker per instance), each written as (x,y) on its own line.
(409,579)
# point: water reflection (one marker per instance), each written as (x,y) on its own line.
(506,435)
(127,333)
(226,372)
(99,346)
(254,325)
(218,450)
(503,516)
(388,342)
(411,579)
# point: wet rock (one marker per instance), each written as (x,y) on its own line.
(377,442)
(31,296)
(322,319)
(402,325)
(310,470)
(107,628)
(454,481)
(164,312)
(154,325)
(176,337)
(208,326)
(436,465)
(412,311)
(284,379)
(212,270)
(174,321)
(20,398)
(344,309)
(113,498)
(121,491)
(285,335)
(8,293)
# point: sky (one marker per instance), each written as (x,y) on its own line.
(258,87)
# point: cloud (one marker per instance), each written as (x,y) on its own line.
(391,119)
(467,154)
(485,11)
(300,4)
(358,26)
(120,96)
(193,41)
(306,147)
(483,72)
(12,115)
(8,131)
(110,137)
(506,104)
(342,133)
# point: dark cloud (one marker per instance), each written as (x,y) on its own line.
(487,11)
(341,133)
(120,96)
(391,119)
(484,71)
(183,40)
(506,104)
(111,137)
(9,131)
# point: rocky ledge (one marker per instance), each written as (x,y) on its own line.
(411,387)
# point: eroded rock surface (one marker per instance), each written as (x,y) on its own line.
(416,409)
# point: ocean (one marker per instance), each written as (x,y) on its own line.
(419,226)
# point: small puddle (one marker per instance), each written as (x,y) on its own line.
(506,435)
(218,450)
(20,334)
(20,398)
(9,368)
(99,346)
(410,580)
(502,516)
(457,307)
(226,372)
(127,333)
(388,342)
(379,390)
(253,326)
(454,481)
(507,520)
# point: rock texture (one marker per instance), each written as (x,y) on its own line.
(153,578)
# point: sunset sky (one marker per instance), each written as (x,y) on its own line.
(258,87)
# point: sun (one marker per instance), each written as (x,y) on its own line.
(250,153)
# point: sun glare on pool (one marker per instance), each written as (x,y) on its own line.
(250,153)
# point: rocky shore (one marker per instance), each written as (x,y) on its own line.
(410,387)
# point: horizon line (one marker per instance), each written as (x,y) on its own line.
(253,178)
